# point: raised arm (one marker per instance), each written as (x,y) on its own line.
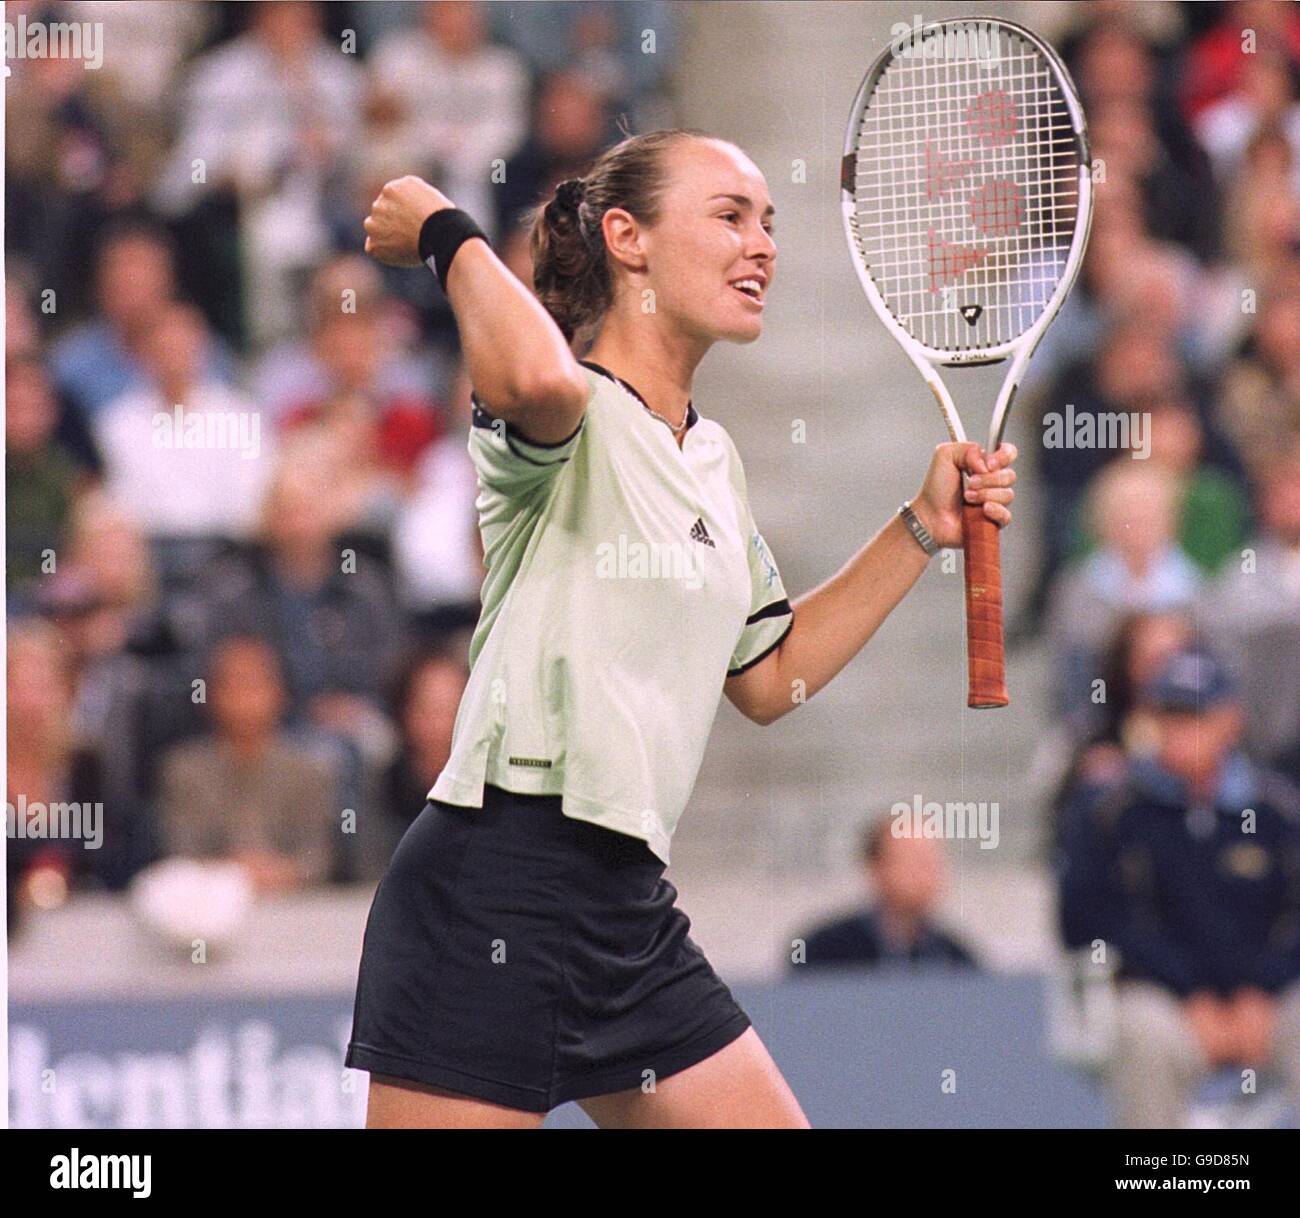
(518,362)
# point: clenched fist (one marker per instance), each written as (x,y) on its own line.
(988,482)
(396,217)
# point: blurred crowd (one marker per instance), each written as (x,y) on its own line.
(1186,323)
(1169,594)
(243,555)
(1170,590)
(242,546)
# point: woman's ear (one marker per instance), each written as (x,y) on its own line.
(624,238)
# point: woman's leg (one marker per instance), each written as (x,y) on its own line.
(395,1103)
(739,1087)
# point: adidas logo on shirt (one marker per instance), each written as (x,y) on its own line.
(700,533)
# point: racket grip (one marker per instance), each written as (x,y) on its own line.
(984,650)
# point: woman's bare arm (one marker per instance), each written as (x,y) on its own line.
(834,621)
(518,362)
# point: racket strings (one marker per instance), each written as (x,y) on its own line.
(966,194)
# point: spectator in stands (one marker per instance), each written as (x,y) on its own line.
(1129,364)
(1179,204)
(425,701)
(445,104)
(1186,870)
(1262,227)
(96,363)
(596,54)
(184,455)
(1264,98)
(1214,65)
(69,155)
(437,549)
(48,764)
(381,434)
(42,480)
(41,764)
(1138,566)
(555,35)
(1155,286)
(1139,131)
(103,597)
(1261,392)
(1096,739)
(150,43)
(908,876)
(567,132)
(246,792)
(1214,511)
(326,611)
(296,372)
(1253,610)
(270,118)
(23,341)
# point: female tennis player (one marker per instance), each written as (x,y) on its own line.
(523,948)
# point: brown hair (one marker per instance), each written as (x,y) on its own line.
(570,269)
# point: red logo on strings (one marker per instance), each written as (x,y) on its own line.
(941,173)
(996,207)
(993,118)
(949,261)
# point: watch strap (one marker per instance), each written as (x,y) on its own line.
(923,536)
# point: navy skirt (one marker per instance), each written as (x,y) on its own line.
(526,958)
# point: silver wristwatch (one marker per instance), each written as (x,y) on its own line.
(919,531)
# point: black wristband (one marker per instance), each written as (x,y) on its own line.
(441,235)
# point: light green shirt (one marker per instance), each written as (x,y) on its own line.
(625,581)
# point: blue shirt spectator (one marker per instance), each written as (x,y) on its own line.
(1189,865)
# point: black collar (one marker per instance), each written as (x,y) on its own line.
(692,415)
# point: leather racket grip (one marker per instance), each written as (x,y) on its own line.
(984,651)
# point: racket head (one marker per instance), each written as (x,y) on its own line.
(966,189)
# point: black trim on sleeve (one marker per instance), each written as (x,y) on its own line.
(762,655)
(480,418)
(775,609)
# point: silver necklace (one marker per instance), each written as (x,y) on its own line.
(681,427)
(677,431)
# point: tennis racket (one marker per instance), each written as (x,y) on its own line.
(967,197)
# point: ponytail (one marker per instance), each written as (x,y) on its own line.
(571,274)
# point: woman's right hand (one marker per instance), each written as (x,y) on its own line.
(396,217)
